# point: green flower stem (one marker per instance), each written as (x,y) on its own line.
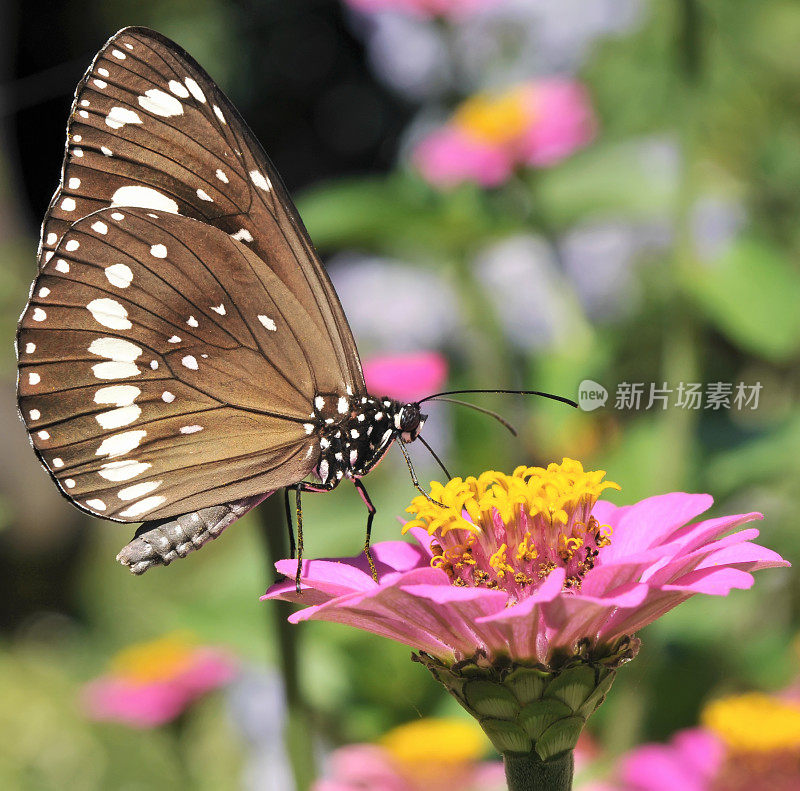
(527,772)
(298,734)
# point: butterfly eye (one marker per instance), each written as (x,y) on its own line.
(411,422)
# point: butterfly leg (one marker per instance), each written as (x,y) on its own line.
(370,516)
(303,486)
(289,527)
(414,478)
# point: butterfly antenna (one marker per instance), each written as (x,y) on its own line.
(435,456)
(509,392)
(485,411)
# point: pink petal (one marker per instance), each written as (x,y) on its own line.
(563,122)
(449,157)
(650,521)
(406,377)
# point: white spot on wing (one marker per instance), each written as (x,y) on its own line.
(138,490)
(189,362)
(118,55)
(101,84)
(242,235)
(62,265)
(190,429)
(178,89)
(219,114)
(160,103)
(43,434)
(119,116)
(343,406)
(167,397)
(309,427)
(143,506)
(221,176)
(203,195)
(123,470)
(30,348)
(106,151)
(69,483)
(96,505)
(158,251)
(191,321)
(144,198)
(120,444)
(44,291)
(258,178)
(34,414)
(267,322)
(109,313)
(68,204)
(319,402)
(116,418)
(119,275)
(73,184)
(219,309)
(100,227)
(72,245)
(116,349)
(115,370)
(194,89)
(39,314)
(103,72)
(119,395)
(51,238)
(34,378)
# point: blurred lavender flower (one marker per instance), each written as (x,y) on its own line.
(393,306)
(258,709)
(497,43)
(715,224)
(532,299)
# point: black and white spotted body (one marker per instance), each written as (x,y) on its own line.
(355,433)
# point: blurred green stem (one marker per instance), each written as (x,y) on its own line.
(682,337)
(298,735)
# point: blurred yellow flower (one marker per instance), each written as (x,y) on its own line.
(754,723)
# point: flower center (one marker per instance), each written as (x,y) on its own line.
(510,532)
(498,119)
(157,660)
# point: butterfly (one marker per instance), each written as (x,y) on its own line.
(183,353)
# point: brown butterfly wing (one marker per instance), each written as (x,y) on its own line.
(150,128)
(165,367)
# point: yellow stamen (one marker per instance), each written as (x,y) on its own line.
(494,119)
(755,723)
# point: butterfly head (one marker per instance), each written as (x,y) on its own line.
(409,421)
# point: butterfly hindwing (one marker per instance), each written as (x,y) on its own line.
(165,368)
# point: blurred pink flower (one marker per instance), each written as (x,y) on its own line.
(152,683)
(535,124)
(406,377)
(423,755)
(455,9)
(689,762)
(529,565)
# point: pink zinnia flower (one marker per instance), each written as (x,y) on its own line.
(535,124)
(530,565)
(454,9)
(749,742)
(152,683)
(424,755)
(406,377)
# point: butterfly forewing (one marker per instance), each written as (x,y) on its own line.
(150,128)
